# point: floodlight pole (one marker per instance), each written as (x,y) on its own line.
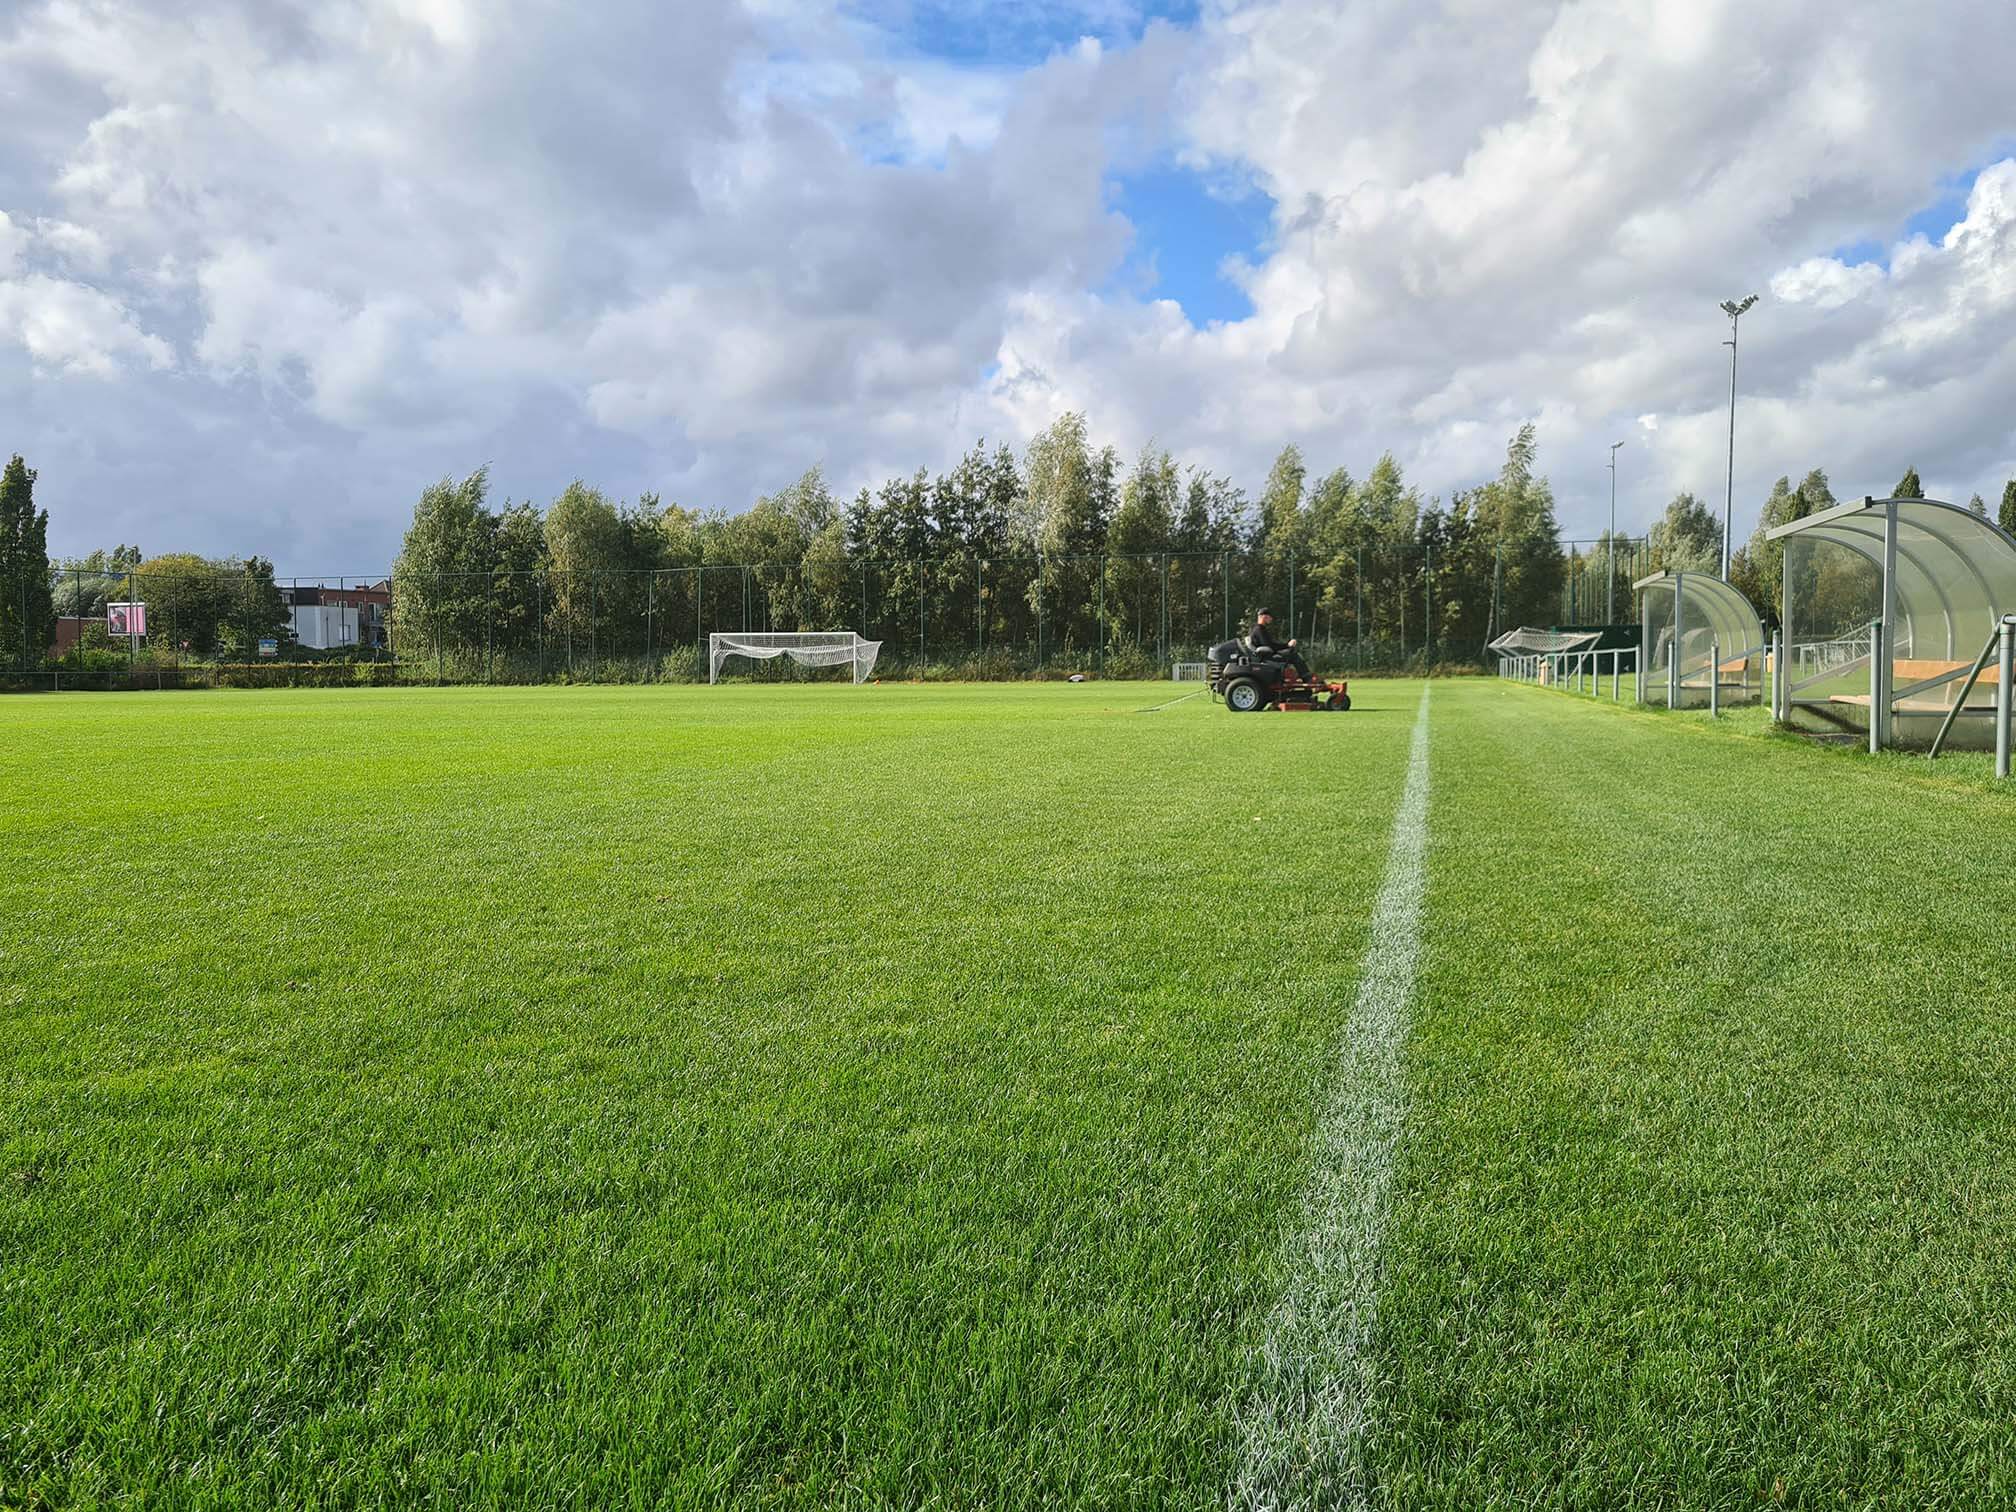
(1734,310)
(1610,598)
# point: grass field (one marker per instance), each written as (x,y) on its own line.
(912,1095)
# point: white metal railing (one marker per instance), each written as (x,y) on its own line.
(1572,671)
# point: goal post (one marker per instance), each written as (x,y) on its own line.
(1188,671)
(808,648)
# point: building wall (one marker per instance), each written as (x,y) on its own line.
(321,626)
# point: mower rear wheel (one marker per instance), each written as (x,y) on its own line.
(1243,696)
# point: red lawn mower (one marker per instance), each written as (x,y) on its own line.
(1248,683)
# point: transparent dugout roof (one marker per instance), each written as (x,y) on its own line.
(1954,575)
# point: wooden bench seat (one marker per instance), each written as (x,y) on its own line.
(1915,705)
(1916,670)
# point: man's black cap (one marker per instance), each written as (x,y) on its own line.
(1258,612)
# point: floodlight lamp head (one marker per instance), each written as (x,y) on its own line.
(1732,308)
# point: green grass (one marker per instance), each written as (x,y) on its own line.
(1710,1196)
(757,1094)
(797,1096)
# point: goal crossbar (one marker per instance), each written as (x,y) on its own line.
(808,648)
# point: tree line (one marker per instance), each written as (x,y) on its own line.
(1058,551)
(1061,550)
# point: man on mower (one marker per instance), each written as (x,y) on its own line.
(1267,647)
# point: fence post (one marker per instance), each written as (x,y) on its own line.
(920,615)
(1358,609)
(1876,655)
(1039,611)
(1100,612)
(1428,601)
(1225,583)
(440,654)
(651,627)
(1714,679)
(1164,638)
(2005,696)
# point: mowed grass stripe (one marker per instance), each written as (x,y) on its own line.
(568,1097)
(1303,1426)
(1709,1189)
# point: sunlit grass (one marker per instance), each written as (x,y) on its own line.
(585,1096)
(792,1096)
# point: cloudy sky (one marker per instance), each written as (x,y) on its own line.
(267,267)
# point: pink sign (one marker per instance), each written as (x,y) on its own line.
(126,619)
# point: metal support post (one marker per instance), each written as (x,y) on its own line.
(1877,653)
(2005,696)
(1714,679)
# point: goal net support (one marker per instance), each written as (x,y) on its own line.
(808,648)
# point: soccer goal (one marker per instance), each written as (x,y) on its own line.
(808,648)
(1187,672)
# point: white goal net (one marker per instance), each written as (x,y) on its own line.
(1187,672)
(1526,641)
(808,648)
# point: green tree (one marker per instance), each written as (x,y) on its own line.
(27,604)
(1978,506)
(1908,486)
(85,585)
(1815,494)
(2006,516)
(254,609)
(978,509)
(1748,576)
(518,562)
(187,601)
(895,539)
(1138,539)
(586,545)
(1067,499)
(1761,579)
(1279,532)
(1514,522)
(441,582)
(1688,537)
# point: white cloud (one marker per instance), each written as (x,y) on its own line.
(78,245)
(68,327)
(700,251)
(1826,283)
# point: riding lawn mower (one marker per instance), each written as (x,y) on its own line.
(1248,683)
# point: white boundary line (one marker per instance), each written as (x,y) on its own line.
(1197,693)
(1302,1423)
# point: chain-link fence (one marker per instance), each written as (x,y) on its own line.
(955,616)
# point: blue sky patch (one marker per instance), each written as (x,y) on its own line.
(1019,34)
(1185,226)
(1932,222)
